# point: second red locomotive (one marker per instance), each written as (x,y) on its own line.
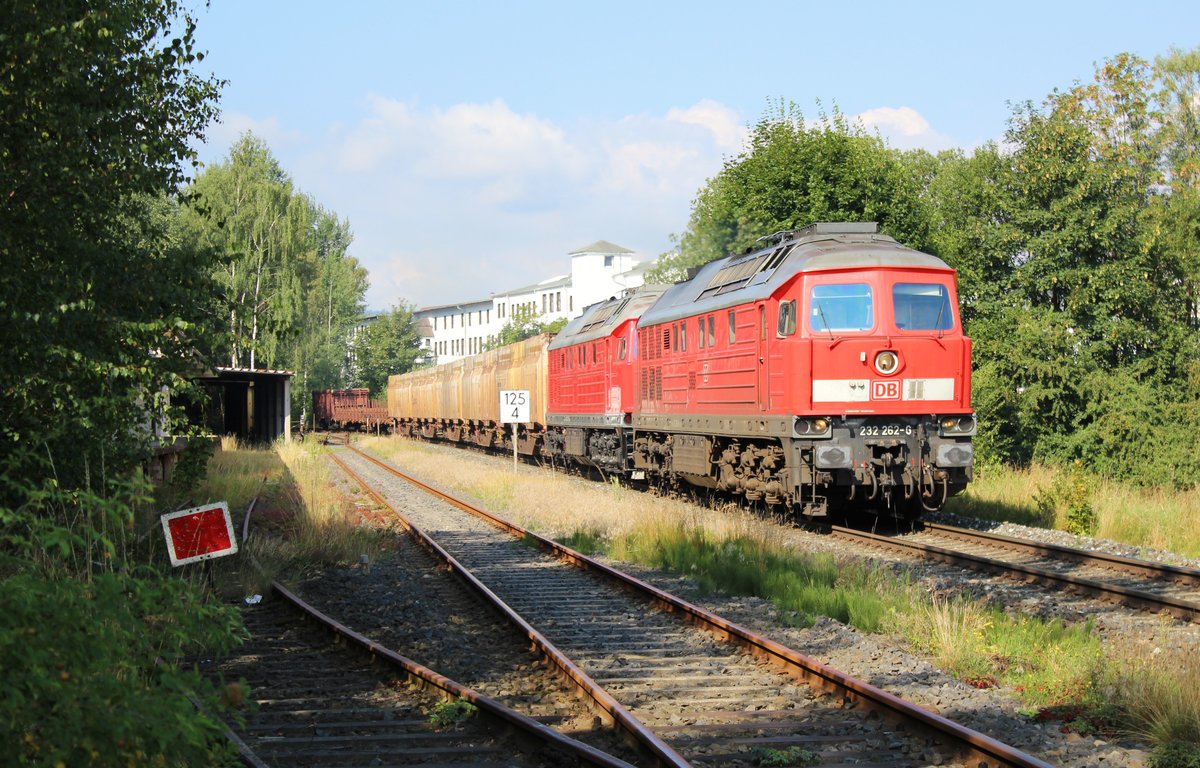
(826,371)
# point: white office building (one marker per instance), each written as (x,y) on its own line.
(598,271)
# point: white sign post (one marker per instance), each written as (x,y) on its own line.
(514,409)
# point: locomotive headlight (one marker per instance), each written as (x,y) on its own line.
(810,427)
(886,362)
(958,425)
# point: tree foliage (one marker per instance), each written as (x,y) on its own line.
(793,174)
(1077,245)
(101,306)
(1079,286)
(97,302)
(524,323)
(385,347)
(288,288)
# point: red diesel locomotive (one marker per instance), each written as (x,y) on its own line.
(826,372)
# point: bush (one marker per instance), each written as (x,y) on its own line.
(82,684)
(1068,502)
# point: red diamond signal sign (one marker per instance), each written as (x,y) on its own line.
(199,533)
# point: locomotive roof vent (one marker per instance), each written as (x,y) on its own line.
(839,228)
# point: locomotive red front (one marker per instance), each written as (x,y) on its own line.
(825,372)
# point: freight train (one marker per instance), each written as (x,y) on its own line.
(348,409)
(825,372)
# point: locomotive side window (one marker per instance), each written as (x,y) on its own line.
(842,307)
(683,336)
(675,337)
(921,307)
(701,329)
(621,349)
(712,331)
(732,328)
(787,318)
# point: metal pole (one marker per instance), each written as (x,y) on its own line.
(515,426)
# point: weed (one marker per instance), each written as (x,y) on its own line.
(446,713)
(1175,754)
(791,756)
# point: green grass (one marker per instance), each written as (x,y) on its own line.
(802,587)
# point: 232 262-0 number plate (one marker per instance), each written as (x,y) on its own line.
(886,430)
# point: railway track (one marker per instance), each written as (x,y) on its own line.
(693,688)
(1144,585)
(321,697)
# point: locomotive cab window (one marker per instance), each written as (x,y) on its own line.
(621,349)
(922,307)
(842,307)
(787,318)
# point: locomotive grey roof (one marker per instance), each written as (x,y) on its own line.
(598,320)
(747,277)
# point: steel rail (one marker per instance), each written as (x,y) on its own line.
(1116,593)
(971,744)
(1149,568)
(489,707)
(616,712)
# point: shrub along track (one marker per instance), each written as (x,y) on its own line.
(710,691)
(1144,585)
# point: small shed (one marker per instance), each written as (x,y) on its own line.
(255,405)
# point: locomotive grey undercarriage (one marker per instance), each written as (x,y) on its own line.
(895,466)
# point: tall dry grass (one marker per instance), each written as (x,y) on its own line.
(325,529)
(301,521)
(1153,518)
(1160,688)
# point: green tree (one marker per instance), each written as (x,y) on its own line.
(1178,211)
(793,175)
(1077,304)
(385,347)
(101,307)
(290,290)
(523,324)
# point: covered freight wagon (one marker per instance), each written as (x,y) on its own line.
(460,401)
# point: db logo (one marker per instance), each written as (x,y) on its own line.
(885,390)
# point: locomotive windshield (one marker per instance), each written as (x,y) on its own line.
(842,307)
(922,307)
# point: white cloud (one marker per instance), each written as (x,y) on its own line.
(724,124)
(232,125)
(904,128)
(452,203)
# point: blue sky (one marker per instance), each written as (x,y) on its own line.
(472,145)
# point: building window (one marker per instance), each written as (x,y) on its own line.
(558,301)
(608,260)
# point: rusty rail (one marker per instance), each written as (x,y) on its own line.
(603,700)
(1115,593)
